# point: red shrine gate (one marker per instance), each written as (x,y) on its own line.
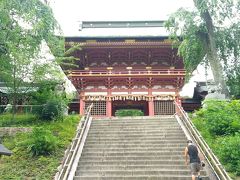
(114,74)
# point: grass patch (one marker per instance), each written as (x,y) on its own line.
(6,120)
(22,165)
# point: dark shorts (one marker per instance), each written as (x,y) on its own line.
(195,168)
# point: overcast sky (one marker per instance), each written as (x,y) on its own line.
(69,12)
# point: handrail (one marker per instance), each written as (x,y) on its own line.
(128,72)
(213,161)
(70,163)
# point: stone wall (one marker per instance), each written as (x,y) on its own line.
(11,131)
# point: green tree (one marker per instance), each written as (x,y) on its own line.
(208,34)
(25,26)
(234,81)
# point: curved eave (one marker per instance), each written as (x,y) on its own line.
(130,44)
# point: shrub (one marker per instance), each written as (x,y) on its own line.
(53,109)
(219,123)
(64,129)
(201,125)
(53,102)
(40,142)
(129,112)
(221,117)
(229,152)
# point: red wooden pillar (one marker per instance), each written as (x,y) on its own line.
(150,103)
(82,104)
(178,99)
(109,104)
(150,108)
(178,102)
(109,108)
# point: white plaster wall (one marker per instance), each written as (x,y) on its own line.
(95,93)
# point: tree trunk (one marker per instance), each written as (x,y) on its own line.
(14,96)
(14,110)
(211,46)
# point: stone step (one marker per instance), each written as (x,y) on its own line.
(146,177)
(125,126)
(130,123)
(132,157)
(139,127)
(156,134)
(135,117)
(131,167)
(133,149)
(133,153)
(125,162)
(122,142)
(127,119)
(166,172)
(133,121)
(140,138)
(136,134)
(144,129)
(129,136)
(154,127)
(137,146)
(135,131)
(120,124)
(146,118)
(152,132)
(139,117)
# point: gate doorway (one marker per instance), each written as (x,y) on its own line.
(130,104)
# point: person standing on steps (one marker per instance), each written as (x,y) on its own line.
(191,151)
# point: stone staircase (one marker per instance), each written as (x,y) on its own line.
(134,149)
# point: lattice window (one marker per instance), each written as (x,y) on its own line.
(98,109)
(164,108)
